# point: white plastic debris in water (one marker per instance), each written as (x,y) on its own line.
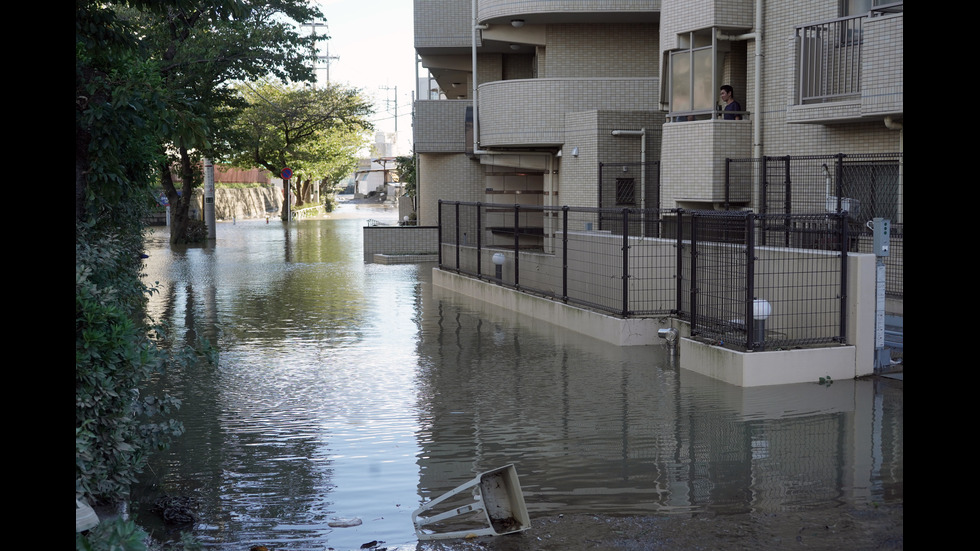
(497,500)
(344,522)
(85,517)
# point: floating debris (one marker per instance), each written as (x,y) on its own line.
(344,522)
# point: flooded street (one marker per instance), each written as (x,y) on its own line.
(348,394)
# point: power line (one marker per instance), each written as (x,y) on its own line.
(327,58)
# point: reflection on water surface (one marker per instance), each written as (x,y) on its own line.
(348,390)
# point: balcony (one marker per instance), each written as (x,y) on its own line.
(849,69)
(440,126)
(568,11)
(531,112)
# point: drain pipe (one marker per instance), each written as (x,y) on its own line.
(476,124)
(756,35)
(892,125)
(643,154)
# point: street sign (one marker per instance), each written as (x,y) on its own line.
(287,173)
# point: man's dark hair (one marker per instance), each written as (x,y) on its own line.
(728,89)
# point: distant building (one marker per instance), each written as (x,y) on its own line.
(376,178)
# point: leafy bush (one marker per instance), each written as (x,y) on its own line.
(123,535)
(115,426)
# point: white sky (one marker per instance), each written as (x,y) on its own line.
(375,43)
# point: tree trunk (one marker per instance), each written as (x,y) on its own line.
(178,213)
(306,191)
(180,203)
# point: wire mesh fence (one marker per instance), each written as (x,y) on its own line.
(742,279)
(860,186)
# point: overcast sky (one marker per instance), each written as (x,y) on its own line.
(374,41)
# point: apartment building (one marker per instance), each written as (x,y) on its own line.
(540,96)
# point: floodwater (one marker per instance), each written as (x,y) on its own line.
(348,394)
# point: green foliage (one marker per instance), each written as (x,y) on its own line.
(119,534)
(317,132)
(115,425)
(407,174)
(112,535)
(197,47)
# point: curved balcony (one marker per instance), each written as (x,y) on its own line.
(440,126)
(531,112)
(567,11)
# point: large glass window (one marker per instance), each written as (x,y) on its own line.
(692,83)
(855,7)
(861,7)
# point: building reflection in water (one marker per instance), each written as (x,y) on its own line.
(597,428)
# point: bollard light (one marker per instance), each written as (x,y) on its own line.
(498,261)
(761,310)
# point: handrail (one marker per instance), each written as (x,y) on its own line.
(829,64)
(308,211)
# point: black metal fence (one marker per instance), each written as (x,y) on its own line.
(862,186)
(705,266)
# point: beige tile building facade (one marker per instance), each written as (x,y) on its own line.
(555,78)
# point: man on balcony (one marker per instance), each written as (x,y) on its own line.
(728,99)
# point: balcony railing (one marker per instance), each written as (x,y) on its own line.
(829,67)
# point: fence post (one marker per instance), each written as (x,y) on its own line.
(839,180)
(845,237)
(750,337)
(679,291)
(626,261)
(517,247)
(439,232)
(564,254)
(457,237)
(787,208)
(694,273)
(479,240)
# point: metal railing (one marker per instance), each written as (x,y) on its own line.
(861,186)
(748,296)
(829,66)
(706,266)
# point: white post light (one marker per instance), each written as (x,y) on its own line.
(498,261)
(761,310)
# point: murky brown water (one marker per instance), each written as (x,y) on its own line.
(353,392)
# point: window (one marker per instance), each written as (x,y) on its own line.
(693,90)
(862,7)
(875,187)
(625,191)
(855,7)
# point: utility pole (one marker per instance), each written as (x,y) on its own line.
(209,215)
(388,103)
(327,58)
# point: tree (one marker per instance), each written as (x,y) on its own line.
(327,160)
(201,47)
(122,108)
(408,176)
(314,131)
